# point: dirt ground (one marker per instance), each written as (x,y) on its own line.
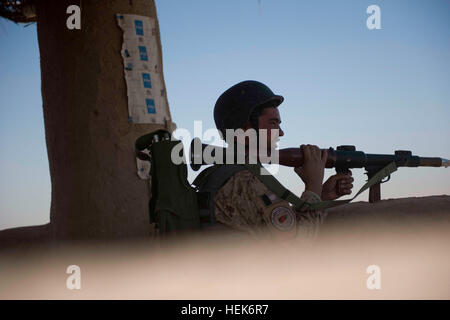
(405,240)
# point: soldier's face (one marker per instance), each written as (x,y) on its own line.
(270,119)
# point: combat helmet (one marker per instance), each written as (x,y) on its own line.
(234,106)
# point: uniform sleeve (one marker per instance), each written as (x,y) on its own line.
(245,204)
(309,221)
(237,205)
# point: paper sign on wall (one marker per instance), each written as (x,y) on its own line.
(147,101)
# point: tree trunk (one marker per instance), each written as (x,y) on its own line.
(90,142)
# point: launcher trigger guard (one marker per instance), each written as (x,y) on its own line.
(387,179)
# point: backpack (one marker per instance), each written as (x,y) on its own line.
(177,206)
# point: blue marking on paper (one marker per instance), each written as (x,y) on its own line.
(150,105)
(143,53)
(139,27)
(130,118)
(127,54)
(146,80)
(129,66)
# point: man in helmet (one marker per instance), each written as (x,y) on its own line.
(244,203)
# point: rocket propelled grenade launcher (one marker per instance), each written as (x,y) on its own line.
(345,157)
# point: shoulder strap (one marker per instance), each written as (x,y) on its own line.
(220,175)
(276,187)
(208,184)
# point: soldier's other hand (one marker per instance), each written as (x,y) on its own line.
(337,186)
(313,168)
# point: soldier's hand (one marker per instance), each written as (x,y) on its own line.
(312,171)
(337,185)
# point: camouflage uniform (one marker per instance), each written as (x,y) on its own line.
(245,204)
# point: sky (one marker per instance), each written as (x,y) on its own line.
(380,90)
